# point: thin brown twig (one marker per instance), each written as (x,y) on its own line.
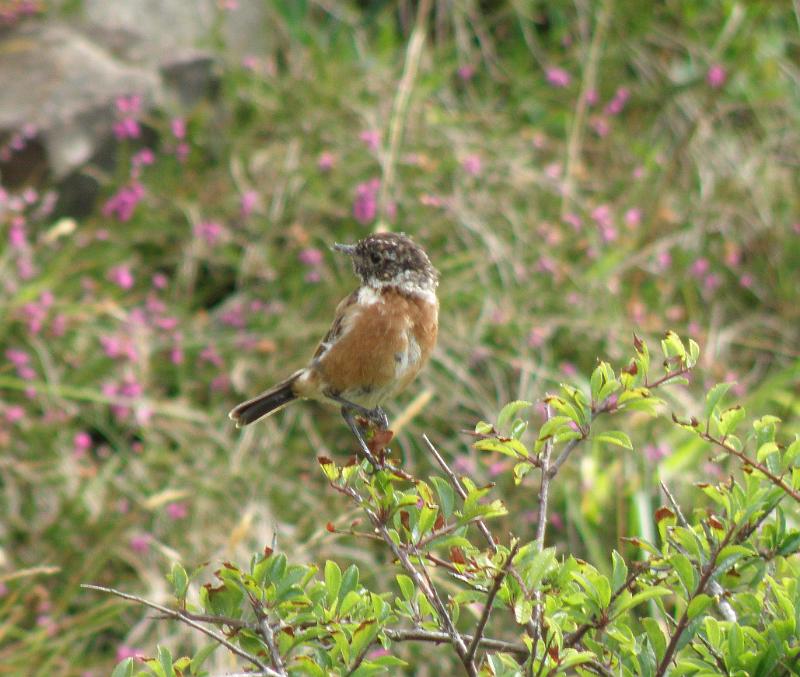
(179,616)
(458,642)
(487,608)
(269,637)
(426,586)
(481,524)
(705,576)
(772,477)
(722,604)
(418,635)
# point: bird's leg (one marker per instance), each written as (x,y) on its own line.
(349,418)
(376,416)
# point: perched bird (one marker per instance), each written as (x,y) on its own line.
(382,335)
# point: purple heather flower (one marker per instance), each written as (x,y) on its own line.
(557,77)
(716,76)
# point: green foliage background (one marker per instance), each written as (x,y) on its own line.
(688,215)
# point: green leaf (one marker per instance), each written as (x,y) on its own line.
(672,346)
(165,661)
(509,411)
(406,586)
(624,605)
(427,518)
(730,419)
(619,570)
(201,656)
(179,579)
(350,600)
(549,427)
(125,668)
(484,428)
(765,450)
(561,405)
(523,610)
(694,353)
(534,565)
(349,581)
(656,637)
(333,580)
(714,396)
(608,389)
(616,437)
(512,447)
(698,605)
(686,573)
(446,494)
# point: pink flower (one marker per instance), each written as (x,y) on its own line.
(573,220)
(211,355)
(310,256)
(466,72)
(124,652)
(178,127)
(221,383)
(212,232)
(81,443)
(711,282)
(716,76)
(654,453)
(602,216)
(371,138)
(17,357)
(365,206)
(663,260)
(472,164)
(160,281)
(143,158)
(616,104)
(592,97)
(176,354)
(121,276)
(600,126)
(177,511)
(14,413)
(326,161)
(700,267)
(123,203)
(633,217)
(557,77)
(746,281)
(16,233)
(537,337)
(126,128)
(568,369)
(248,202)
(140,543)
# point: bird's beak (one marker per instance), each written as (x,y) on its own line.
(348,249)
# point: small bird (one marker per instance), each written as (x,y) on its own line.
(382,335)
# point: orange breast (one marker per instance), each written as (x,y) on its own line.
(385,346)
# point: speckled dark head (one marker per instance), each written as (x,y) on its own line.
(392,259)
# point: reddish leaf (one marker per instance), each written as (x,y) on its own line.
(663,513)
(457,555)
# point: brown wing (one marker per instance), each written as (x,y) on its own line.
(335,332)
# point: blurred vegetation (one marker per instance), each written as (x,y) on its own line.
(577,172)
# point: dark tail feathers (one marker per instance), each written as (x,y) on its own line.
(267,402)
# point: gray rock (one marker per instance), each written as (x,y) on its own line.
(65,78)
(59,81)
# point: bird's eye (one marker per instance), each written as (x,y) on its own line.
(375,257)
